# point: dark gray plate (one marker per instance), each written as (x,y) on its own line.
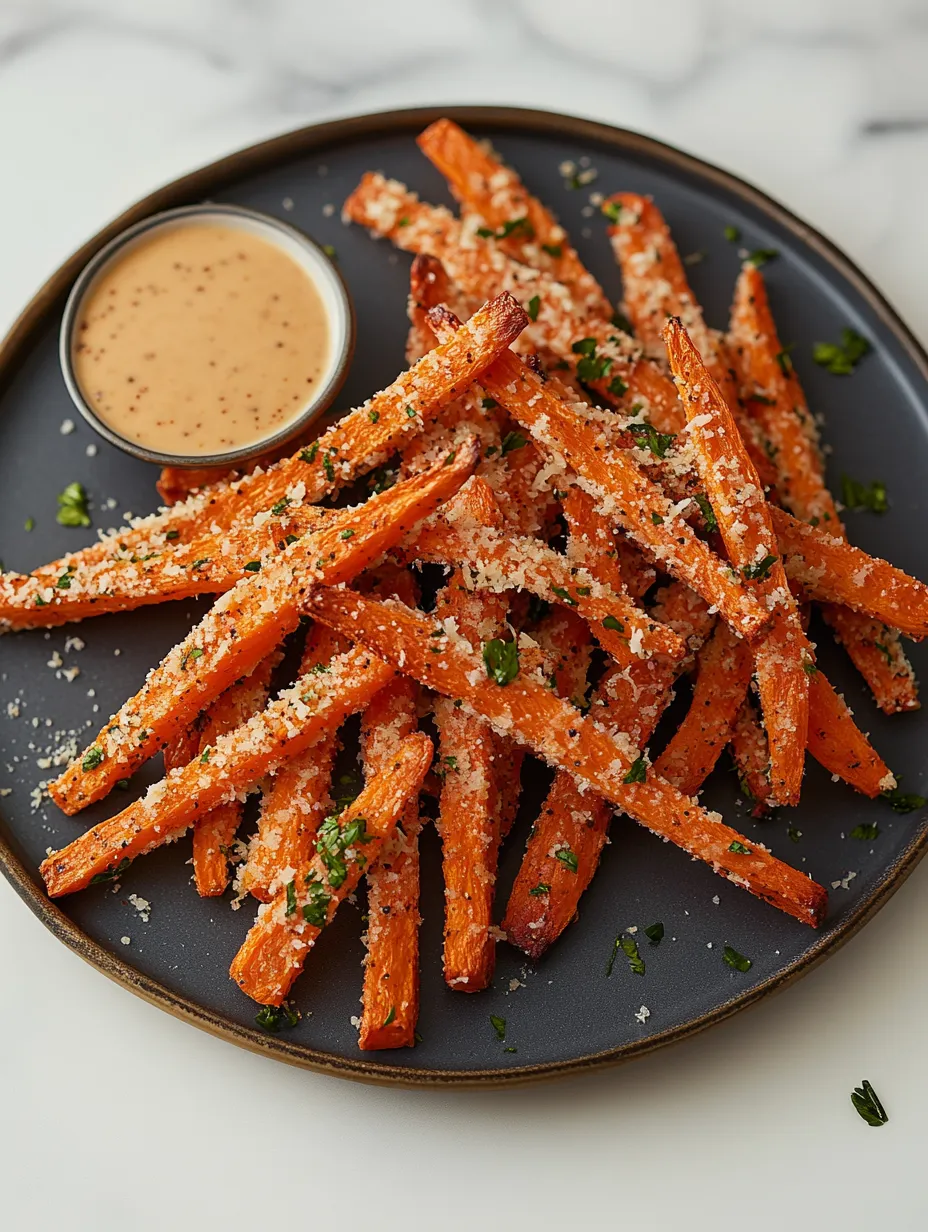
(564,1014)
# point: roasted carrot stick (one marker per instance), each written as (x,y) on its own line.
(246,625)
(783,658)
(613,363)
(622,492)
(771,388)
(214,833)
(556,731)
(751,752)
(836,742)
(829,569)
(313,707)
(285,930)
(574,820)
(722,679)
(360,441)
(525,229)
(297,797)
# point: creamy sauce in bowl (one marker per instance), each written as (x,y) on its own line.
(202,337)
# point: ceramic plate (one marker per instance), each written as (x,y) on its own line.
(563,1014)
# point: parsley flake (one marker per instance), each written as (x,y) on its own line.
(532,307)
(866,831)
(568,858)
(613,622)
(499,1026)
(867,1105)
(638,771)
(862,497)
(512,441)
(737,962)
(72,506)
(904,802)
(708,513)
(92,758)
(739,848)
(655,933)
(501,660)
(841,359)
(758,571)
(647,437)
(539,890)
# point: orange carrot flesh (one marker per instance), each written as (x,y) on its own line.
(876,651)
(784,657)
(530,714)
(297,797)
(836,742)
(214,832)
(751,752)
(475,264)
(361,440)
(391,973)
(723,675)
(313,707)
(245,626)
(273,953)
(623,494)
(525,228)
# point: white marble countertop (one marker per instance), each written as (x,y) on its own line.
(112,1112)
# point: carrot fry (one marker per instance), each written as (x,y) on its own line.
(546,892)
(247,624)
(311,708)
(622,492)
(391,974)
(285,930)
(783,658)
(836,742)
(214,833)
(723,675)
(499,562)
(363,439)
(829,569)
(525,228)
(772,391)
(614,366)
(297,797)
(751,752)
(531,714)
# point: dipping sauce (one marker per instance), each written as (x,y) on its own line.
(201,338)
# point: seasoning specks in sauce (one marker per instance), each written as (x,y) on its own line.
(201,339)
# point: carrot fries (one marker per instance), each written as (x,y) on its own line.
(836,742)
(214,833)
(286,929)
(245,625)
(313,707)
(525,229)
(623,494)
(771,389)
(531,714)
(783,658)
(296,798)
(751,754)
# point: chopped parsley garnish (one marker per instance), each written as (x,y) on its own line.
(867,1105)
(489,404)
(92,758)
(72,506)
(373,416)
(647,437)
(809,667)
(612,210)
(657,519)
(328,467)
(499,1026)
(501,660)
(194,654)
(760,256)
(861,497)
(520,227)
(866,831)
(315,910)
(757,572)
(568,858)
(532,307)
(309,455)
(390,1017)
(381,479)
(346,534)
(553,250)
(564,595)
(111,873)
(253,566)
(736,961)
(655,933)
(410,411)
(629,948)
(329,250)
(280,506)
(794,834)
(542,888)
(617,387)
(590,366)
(638,771)
(198,564)
(291,898)
(708,513)
(275,1018)
(29,524)
(205,755)
(904,802)
(739,848)
(732,234)
(783,359)
(511,441)
(64,582)
(841,359)
(613,622)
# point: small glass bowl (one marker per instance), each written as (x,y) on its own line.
(305,251)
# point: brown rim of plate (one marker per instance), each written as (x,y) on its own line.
(51,298)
